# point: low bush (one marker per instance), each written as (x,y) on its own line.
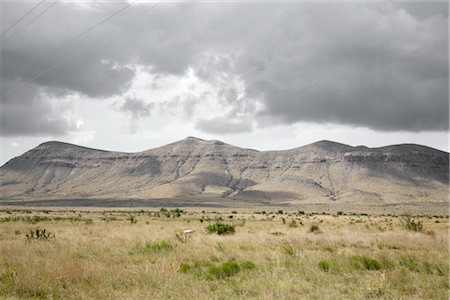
(223,270)
(39,235)
(314,229)
(324,265)
(153,247)
(411,223)
(132,219)
(213,269)
(409,262)
(248,265)
(364,262)
(221,228)
(184,267)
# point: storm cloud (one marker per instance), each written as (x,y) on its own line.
(382,66)
(136,107)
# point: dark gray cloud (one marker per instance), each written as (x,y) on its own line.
(377,65)
(137,108)
(28,113)
(424,9)
(364,65)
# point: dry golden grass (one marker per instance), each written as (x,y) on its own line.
(106,255)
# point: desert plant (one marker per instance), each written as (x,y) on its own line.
(409,262)
(185,267)
(248,265)
(411,223)
(288,249)
(152,247)
(220,228)
(132,219)
(364,262)
(324,265)
(293,224)
(39,235)
(183,237)
(314,228)
(224,270)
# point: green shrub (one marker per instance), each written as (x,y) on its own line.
(363,262)
(223,270)
(184,267)
(324,265)
(409,262)
(153,247)
(248,265)
(213,269)
(221,228)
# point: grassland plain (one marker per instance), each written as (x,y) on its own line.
(271,255)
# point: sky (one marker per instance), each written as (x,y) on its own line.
(130,76)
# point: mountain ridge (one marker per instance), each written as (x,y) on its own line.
(192,138)
(195,169)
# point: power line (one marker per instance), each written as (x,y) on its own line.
(80,34)
(96,25)
(31,21)
(20,19)
(50,68)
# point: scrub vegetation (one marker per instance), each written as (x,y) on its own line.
(139,255)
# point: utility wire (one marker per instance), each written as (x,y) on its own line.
(79,35)
(20,19)
(50,68)
(96,25)
(31,21)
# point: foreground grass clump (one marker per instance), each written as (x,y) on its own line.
(110,259)
(221,228)
(364,262)
(224,270)
(211,270)
(152,247)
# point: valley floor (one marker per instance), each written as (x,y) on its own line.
(272,255)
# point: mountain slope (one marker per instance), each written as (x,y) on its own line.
(322,172)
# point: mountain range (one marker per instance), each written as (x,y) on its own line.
(193,169)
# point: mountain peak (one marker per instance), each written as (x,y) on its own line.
(194,138)
(331,146)
(55,144)
(63,146)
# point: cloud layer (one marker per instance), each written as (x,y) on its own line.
(382,66)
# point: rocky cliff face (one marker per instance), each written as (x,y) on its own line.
(194,168)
